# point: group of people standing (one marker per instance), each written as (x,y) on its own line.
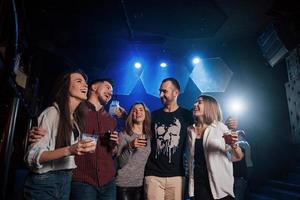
(150,150)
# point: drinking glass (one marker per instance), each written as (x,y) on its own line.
(90,137)
(227,136)
(143,138)
(114,108)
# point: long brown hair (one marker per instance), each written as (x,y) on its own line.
(212,110)
(61,98)
(146,123)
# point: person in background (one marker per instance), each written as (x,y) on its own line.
(133,152)
(242,169)
(51,159)
(210,154)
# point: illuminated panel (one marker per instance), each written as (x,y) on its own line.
(211,75)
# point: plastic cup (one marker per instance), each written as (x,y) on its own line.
(90,137)
(227,137)
(114,108)
(143,138)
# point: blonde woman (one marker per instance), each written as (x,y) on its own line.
(210,156)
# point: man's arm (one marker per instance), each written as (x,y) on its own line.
(36,134)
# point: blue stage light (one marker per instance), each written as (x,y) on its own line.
(137,65)
(152,77)
(163,64)
(124,76)
(196,60)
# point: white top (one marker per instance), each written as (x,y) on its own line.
(48,120)
(218,160)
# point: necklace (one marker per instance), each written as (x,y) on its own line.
(199,130)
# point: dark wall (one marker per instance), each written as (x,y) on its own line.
(266,120)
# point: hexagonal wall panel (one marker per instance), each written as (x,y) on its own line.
(211,75)
(151,77)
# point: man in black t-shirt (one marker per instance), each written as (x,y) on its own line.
(164,173)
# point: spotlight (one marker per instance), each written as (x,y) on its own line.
(237,106)
(163,64)
(137,65)
(196,60)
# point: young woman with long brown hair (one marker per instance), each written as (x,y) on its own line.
(51,159)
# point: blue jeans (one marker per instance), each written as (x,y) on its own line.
(86,191)
(240,187)
(48,186)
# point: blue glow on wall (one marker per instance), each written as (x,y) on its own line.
(151,77)
(211,75)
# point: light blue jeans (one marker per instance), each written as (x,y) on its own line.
(54,185)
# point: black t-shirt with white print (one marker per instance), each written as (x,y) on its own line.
(168,143)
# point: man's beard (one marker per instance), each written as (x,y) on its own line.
(102,101)
(164,101)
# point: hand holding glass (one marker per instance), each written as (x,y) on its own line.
(90,138)
(114,108)
(142,139)
(114,137)
(230,137)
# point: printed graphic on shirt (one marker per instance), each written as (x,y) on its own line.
(167,138)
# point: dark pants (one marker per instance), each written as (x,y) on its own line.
(54,185)
(130,193)
(88,192)
(240,188)
(202,191)
(225,198)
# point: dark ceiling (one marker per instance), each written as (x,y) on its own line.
(94,33)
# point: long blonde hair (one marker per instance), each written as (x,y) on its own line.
(212,110)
